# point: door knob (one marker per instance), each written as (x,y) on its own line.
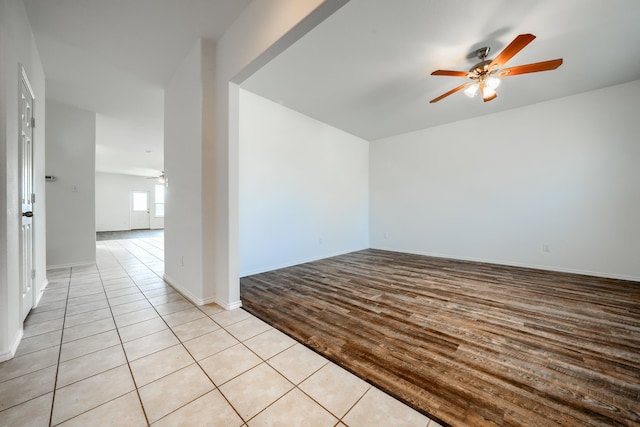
(28,214)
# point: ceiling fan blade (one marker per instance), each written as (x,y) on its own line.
(451,92)
(531,68)
(450,73)
(510,51)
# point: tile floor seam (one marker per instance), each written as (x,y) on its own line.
(273,355)
(182,406)
(101,404)
(356,402)
(313,373)
(295,387)
(89,353)
(44,321)
(244,422)
(272,403)
(37,335)
(144,412)
(305,378)
(215,387)
(87,336)
(55,381)
(243,372)
(32,398)
(31,352)
(327,409)
(263,361)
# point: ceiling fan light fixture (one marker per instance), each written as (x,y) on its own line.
(472,90)
(488,92)
(492,82)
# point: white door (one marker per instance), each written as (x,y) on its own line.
(27,197)
(140,210)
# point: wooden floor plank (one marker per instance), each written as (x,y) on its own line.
(467,343)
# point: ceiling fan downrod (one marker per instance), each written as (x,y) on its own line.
(481,67)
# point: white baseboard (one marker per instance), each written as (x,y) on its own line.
(17,339)
(228,305)
(184,292)
(13,347)
(519,264)
(251,272)
(38,297)
(200,301)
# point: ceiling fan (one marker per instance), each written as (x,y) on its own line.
(485,75)
(160,178)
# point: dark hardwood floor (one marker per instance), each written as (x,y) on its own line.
(467,343)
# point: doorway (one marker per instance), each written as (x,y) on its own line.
(27,196)
(140,216)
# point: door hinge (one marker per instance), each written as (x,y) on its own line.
(33,197)
(33,273)
(33,122)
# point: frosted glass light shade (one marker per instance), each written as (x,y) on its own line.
(487,92)
(492,82)
(472,90)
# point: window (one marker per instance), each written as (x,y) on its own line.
(140,202)
(159,198)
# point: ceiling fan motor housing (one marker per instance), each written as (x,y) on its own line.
(481,67)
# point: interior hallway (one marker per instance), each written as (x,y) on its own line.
(112,344)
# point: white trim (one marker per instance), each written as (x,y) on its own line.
(38,297)
(519,264)
(182,291)
(206,301)
(13,347)
(23,74)
(186,293)
(229,306)
(71,265)
(200,301)
(298,262)
(24,79)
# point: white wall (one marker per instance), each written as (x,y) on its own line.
(113,201)
(304,188)
(17,46)
(71,154)
(201,118)
(264,29)
(182,154)
(564,173)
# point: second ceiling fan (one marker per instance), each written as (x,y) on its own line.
(485,75)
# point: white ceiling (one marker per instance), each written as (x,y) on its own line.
(366,69)
(114,57)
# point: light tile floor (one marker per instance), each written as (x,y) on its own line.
(114,345)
